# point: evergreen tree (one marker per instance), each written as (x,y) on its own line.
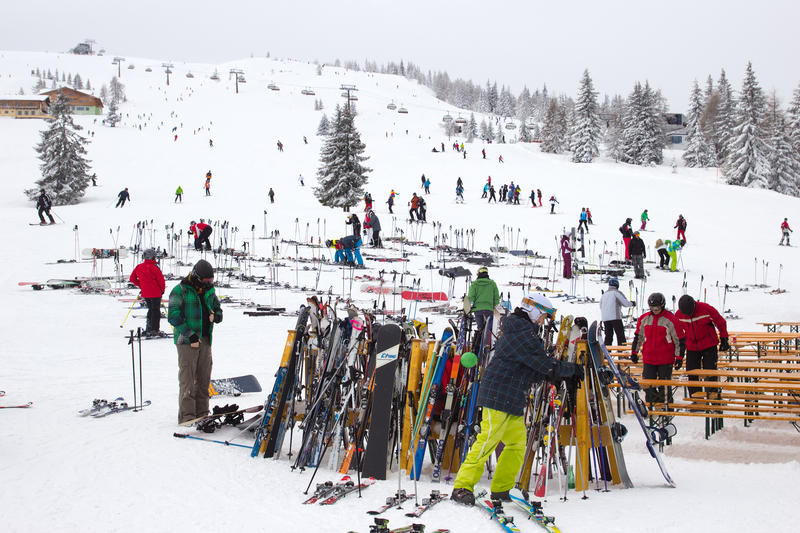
(552,139)
(643,140)
(88,84)
(492,98)
(472,128)
(699,152)
(77,82)
(117,90)
(784,175)
(586,131)
(536,133)
(794,121)
(112,116)
(482,130)
(342,175)
(489,131)
(748,152)
(40,86)
(65,169)
(324,127)
(524,133)
(616,110)
(725,118)
(104,94)
(500,134)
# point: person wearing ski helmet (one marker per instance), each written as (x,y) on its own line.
(201,232)
(483,296)
(148,277)
(610,304)
(193,310)
(519,361)
(659,337)
(701,322)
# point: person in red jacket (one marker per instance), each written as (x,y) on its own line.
(201,232)
(659,336)
(148,277)
(700,322)
(785,231)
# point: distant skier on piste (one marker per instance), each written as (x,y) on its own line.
(645,218)
(124,196)
(44,204)
(539,195)
(553,202)
(681,226)
(390,201)
(178,195)
(785,231)
(519,361)
(583,220)
(638,252)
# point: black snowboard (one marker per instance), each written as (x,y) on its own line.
(387,346)
(234,386)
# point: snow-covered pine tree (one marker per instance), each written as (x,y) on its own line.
(794,121)
(725,118)
(489,131)
(784,172)
(117,90)
(40,86)
(552,139)
(748,151)
(492,97)
(65,169)
(342,174)
(69,79)
(104,94)
(536,132)
(643,132)
(586,134)
(472,128)
(77,82)
(112,116)
(324,127)
(524,132)
(615,111)
(88,84)
(698,152)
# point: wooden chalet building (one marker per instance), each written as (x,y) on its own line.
(79,103)
(21,106)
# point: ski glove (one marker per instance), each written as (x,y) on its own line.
(678,363)
(194,339)
(682,348)
(634,357)
(723,344)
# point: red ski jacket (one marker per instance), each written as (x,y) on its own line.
(148,277)
(699,328)
(195,229)
(659,338)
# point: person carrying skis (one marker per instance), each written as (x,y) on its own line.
(553,203)
(201,232)
(148,277)
(271,195)
(566,255)
(583,220)
(659,337)
(638,253)
(193,310)
(371,222)
(414,203)
(645,218)
(785,231)
(610,303)
(681,225)
(44,204)
(483,297)
(519,361)
(699,321)
(353,219)
(627,235)
(178,195)
(663,255)
(124,196)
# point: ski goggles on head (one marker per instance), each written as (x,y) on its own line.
(551,311)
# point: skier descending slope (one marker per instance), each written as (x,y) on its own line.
(519,361)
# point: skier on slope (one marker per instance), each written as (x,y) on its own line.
(124,196)
(519,361)
(201,232)
(422,210)
(148,277)
(627,235)
(178,195)
(699,321)
(583,220)
(483,297)
(44,204)
(785,231)
(271,195)
(659,337)
(193,310)
(610,304)
(553,203)
(533,198)
(681,226)
(645,218)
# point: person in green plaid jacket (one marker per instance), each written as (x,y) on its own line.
(193,310)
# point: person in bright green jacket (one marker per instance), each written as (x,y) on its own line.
(193,310)
(483,297)
(178,195)
(645,219)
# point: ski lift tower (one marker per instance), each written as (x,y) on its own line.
(167,69)
(239,74)
(89,43)
(118,62)
(347,89)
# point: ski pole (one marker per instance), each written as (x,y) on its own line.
(225,442)
(139,336)
(133,366)
(129,311)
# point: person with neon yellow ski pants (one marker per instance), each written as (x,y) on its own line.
(519,361)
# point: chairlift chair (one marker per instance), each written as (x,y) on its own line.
(273,87)
(307,92)
(390,106)
(131,66)
(461,120)
(215,77)
(402,110)
(510,125)
(241,79)
(447,118)
(148,69)
(189,75)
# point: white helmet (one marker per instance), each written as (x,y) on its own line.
(537,304)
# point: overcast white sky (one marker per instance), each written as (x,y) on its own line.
(670,42)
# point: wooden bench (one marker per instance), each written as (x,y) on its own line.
(775,326)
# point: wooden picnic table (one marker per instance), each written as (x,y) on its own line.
(775,326)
